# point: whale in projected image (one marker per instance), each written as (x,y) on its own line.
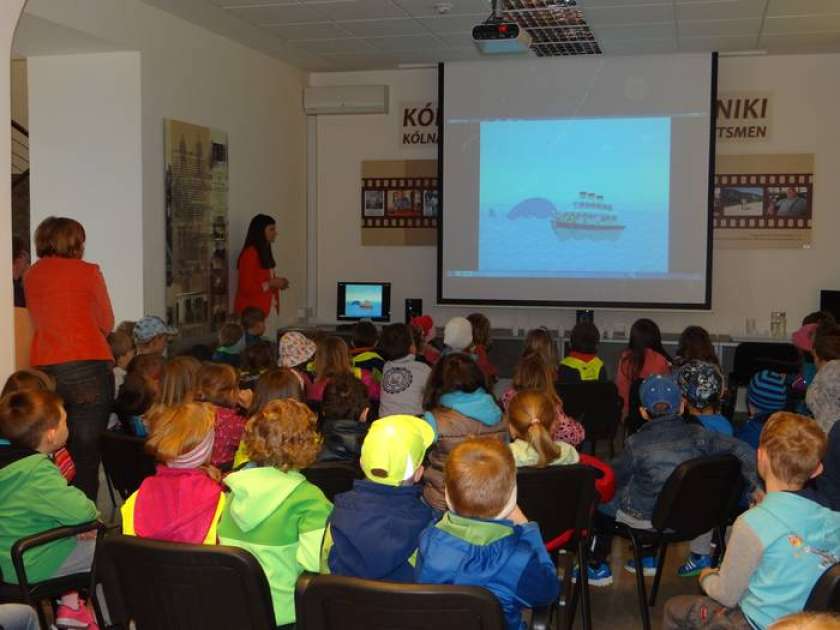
(588,218)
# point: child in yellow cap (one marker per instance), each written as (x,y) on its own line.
(374,528)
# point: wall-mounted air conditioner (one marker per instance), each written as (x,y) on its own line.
(346,99)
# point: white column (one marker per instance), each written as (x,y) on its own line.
(10,11)
(85,149)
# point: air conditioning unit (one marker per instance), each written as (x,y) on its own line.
(346,99)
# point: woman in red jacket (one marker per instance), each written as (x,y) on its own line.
(71,316)
(257,284)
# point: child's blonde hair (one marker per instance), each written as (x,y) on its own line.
(480,476)
(530,415)
(540,342)
(332,358)
(178,381)
(533,373)
(175,431)
(283,435)
(218,384)
(794,445)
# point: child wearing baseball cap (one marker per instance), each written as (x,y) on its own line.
(484,539)
(701,384)
(374,528)
(650,455)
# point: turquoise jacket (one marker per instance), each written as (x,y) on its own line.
(801,539)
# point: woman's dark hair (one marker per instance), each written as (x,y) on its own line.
(585,338)
(256,238)
(644,335)
(695,343)
(456,372)
(395,341)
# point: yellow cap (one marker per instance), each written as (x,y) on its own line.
(394,448)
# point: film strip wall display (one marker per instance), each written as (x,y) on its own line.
(764,201)
(399,202)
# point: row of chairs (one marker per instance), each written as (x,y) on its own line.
(150,581)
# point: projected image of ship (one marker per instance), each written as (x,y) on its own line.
(589,217)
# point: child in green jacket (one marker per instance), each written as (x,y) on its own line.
(34,497)
(272,510)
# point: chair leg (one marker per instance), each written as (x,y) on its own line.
(660,564)
(585,609)
(640,580)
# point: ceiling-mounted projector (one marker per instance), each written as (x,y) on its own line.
(501,38)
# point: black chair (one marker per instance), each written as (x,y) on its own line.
(699,496)
(333,477)
(125,461)
(825,596)
(634,421)
(32,593)
(597,406)
(332,602)
(754,356)
(540,491)
(171,586)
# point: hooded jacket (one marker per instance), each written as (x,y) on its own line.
(34,497)
(508,560)
(460,416)
(800,540)
(660,445)
(280,518)
(374,530)
(176,504)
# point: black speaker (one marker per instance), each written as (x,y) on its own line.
(587,315)
(413,308)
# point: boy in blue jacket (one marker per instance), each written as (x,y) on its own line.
(484,539)
(778,549)
(374,528)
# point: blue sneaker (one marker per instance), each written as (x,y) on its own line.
(695,563)
(598,575)
(648,566)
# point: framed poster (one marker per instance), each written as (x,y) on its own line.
(196,189)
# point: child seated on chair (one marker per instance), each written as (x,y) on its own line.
(183,500)
(218,384)
(530,415)
(403,377)
(582,363)
(664,441)
(295,352)
(34,497)
(363,352)
(253,322)
(374,528)
(231,345)
(344,418)
(778,549)
(766,394)
(481,341)
(272,511)
(484,539)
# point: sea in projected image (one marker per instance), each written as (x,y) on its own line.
(575,196)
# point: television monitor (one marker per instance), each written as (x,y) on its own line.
(830,301)
(364,300)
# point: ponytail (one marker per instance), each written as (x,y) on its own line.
(530,414)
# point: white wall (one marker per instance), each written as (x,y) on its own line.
(20,105)
(188,73)
(85,161)
(746,283)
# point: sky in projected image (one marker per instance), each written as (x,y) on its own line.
(627,161)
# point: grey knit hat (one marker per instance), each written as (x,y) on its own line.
(823,395)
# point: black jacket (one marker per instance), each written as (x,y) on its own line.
(342,440)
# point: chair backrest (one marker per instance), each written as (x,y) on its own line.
(333,477)
(825,596)
(595,405)
(332,602)
(753,356)
(699,495)
(557,498)
(125,461)
(172,586)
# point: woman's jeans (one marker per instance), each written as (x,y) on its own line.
(87,388)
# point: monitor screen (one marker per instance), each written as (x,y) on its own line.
(830,302)
(364,300)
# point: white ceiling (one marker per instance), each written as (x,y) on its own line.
(322,35)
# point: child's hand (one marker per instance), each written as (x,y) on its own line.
(517,516)
(246,397)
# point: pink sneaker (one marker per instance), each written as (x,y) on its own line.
(66,617)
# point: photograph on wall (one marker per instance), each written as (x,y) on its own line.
(374,203)
(764,201)
(196,189)
(430,203)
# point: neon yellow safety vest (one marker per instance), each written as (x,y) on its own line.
(589,370)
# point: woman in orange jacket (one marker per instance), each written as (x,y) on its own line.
(258,286)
